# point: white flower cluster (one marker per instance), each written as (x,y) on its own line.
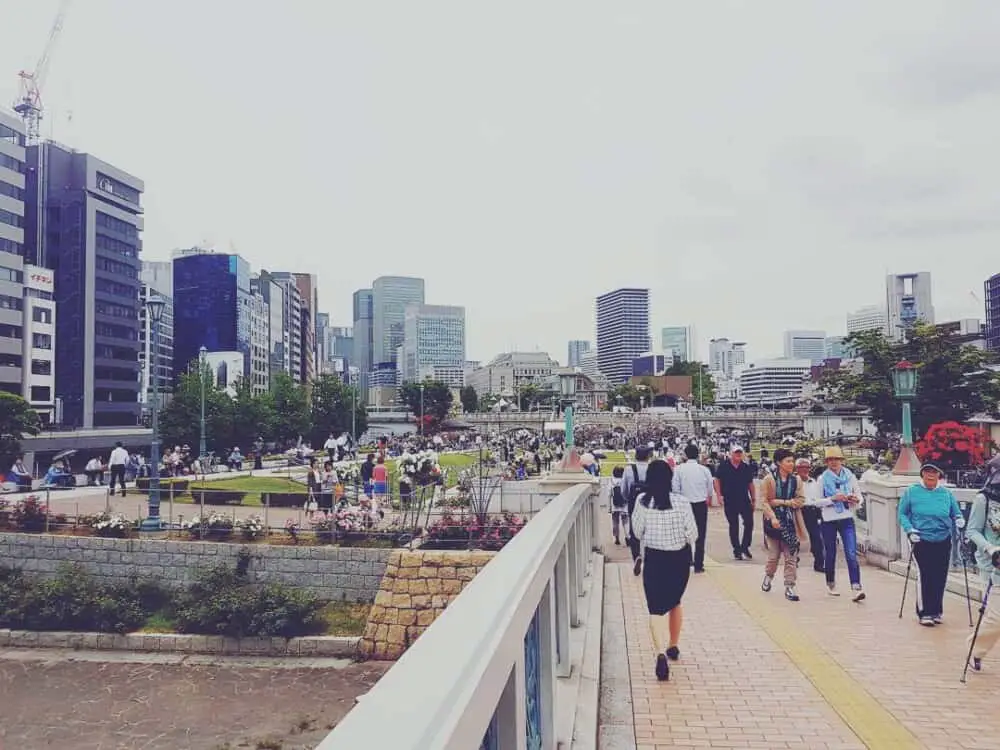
(348,472)
(212,521)
(424,463)
(252,527)
(107,523)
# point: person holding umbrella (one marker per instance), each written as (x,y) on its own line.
(928,511)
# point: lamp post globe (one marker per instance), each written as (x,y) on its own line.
(155,306)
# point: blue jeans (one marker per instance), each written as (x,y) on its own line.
(849,536)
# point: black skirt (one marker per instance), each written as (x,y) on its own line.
(665,577)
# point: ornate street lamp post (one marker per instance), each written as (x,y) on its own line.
(154,309)
(904,384)
(202,451)
(567,389)
(421,410)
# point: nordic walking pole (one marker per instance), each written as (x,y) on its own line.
(975,633)
(906,582)
(968,595)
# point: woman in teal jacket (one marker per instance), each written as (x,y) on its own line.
(928,512)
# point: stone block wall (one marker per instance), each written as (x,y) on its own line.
(416,588)
(333,573)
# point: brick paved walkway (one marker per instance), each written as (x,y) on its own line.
(759,671)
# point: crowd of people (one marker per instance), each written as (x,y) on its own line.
(660,501)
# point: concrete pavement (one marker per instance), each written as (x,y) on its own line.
(758,671)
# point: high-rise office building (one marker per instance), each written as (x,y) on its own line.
(278,332)
(363,320)
(835,348)
(323,354)
(867,318)
(391,295)
(622,331)
(92,214)
(726,357)
(157,280)
(992,287)
(309,293)
(774,380)
(433,339)
(213,307)
(809,345)
(292,322)
(908,300)
(576,350)
(27,307)
(678,342)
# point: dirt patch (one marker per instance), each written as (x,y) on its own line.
(99,706)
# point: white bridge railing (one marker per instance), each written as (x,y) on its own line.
(484,675)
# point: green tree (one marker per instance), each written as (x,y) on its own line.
(469,399)
(528,395)
(180,419)
(437,400)
(254,415)
(630,395)
(487,401)
(291,406)
(332,402)
(17,419)
(954,382)
(706,394)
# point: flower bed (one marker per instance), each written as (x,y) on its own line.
(468,531)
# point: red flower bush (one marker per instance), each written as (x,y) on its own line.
(952,445)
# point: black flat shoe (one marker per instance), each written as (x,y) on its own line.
(662,668)
(637,566)
(673,653)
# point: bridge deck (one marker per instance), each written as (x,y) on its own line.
(758,671)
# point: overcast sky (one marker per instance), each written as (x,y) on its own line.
(758,165)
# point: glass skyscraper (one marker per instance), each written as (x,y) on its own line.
(212,307)
(434,337)
(622,331)
(391,295)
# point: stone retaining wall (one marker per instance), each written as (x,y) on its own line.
(333,573)
(165,643)
(416,588)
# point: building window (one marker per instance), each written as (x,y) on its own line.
(11,191)
(41,394)
(9,246)
(41,341)
(11,274)
(111,245)
(10,360)
(11,163)
(11,303)
(41,315)
(117,225)
(10,332)
(40,294)
(11,136)
(41,367)
(12,219)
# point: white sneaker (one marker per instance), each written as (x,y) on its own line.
(831,589)
(859,593)
(766,585)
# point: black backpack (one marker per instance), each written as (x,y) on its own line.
(617,498)
(638,487)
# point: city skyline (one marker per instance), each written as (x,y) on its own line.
(868,189)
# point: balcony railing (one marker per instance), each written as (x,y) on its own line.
(484,675)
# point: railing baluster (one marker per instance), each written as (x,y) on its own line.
(574,577)
(563,608)
(547,661)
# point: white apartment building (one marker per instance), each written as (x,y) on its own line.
(867,318)
(38,382)
(774,379)
(727,357)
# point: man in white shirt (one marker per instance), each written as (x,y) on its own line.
(811,515)
(693,480)
(330,446)
(117,463)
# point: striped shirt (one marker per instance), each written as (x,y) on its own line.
(669,530)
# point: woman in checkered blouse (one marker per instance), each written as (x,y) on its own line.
(665,526)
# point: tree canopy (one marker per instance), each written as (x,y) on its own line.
(706,394)
(469,399)
(332,402)
(954,380)
(17,419)
(436,404)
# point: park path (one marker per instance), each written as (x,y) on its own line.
(757,671)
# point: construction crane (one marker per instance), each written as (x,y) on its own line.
(29,102)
